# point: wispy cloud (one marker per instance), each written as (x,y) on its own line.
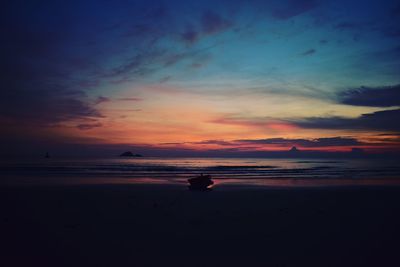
(133,99)
(210,23)
(309,52)
(317,142)
(274,143)
(376,121)
(294,8)
(345,25)
(259,122)
(88,126)
(101,99)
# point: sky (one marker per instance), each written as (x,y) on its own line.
(227,76)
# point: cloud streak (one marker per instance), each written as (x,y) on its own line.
(210,23)
(282,143)
(294,8)
(386,96)
(318,142)
(88,126)
(376,121)
(309,52)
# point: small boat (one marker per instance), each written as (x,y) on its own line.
(200,183)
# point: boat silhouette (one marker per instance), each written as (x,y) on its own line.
(200,183)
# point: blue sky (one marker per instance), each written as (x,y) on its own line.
(96,72)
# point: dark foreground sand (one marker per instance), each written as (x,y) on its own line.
(155,225)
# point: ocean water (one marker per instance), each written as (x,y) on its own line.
(224,171)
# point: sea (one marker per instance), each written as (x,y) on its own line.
(233,172)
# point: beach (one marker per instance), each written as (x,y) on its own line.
(152,133)
(168,225)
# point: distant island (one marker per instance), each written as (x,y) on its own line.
(130,154)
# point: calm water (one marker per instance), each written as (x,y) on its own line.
(278,172)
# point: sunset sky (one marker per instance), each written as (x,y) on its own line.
(200,75)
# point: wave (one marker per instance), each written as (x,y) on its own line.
(184,168)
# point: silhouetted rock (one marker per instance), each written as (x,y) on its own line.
(294,149)
(130,154)
(200,183)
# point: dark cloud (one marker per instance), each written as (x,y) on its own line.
(100,41)
(386,120)
(318,142)
(88,126)
(37,69)
(387,138)
(174,58)
(294,8)
(205,142)
(45,106)
(190,35)
(151,61)
(386,96)
(308,52)
(140,64)
(210,23)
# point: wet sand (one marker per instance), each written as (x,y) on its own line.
(160,225)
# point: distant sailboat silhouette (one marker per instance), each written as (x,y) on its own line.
(47,155)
